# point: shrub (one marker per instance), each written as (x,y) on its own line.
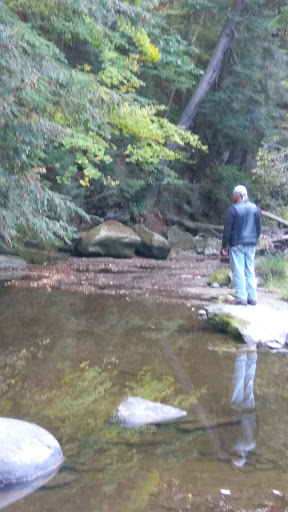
(273,268)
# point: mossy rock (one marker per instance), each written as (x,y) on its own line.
(229,324)
(181,240)
(152,244)
(222,277)
(257,326)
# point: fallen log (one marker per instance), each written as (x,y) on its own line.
(189,224)
(274,217)
(282,240)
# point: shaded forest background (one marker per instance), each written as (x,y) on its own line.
(92,93)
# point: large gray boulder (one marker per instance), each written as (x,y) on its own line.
(152,244)
(27,452)
(135,412)
(110,238)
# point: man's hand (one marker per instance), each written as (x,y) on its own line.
(224,252)
(224,255)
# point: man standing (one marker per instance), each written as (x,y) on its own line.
(242,228)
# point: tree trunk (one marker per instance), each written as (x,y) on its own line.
(205,84)
(214,65)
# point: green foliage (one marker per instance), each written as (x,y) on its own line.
(69,80)
(81,89)
(274,270)
(30,212)
(219,187)
(273,267)
(248,98)
(271,175)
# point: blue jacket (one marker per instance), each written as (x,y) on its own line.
(242,225)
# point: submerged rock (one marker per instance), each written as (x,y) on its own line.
(135,412)
(27,452)
(256,325)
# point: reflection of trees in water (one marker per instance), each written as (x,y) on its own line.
(152,343)
(272,404)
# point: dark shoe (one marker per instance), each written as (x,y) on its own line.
(238,302)
(252,302)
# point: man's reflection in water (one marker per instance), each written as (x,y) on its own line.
(242,400)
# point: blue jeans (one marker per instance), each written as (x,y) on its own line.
(242,264)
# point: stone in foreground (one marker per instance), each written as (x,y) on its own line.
(256,325)
(27,452)
(135,412)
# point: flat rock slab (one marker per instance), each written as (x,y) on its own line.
(258,325)
(27,452)
(136,412)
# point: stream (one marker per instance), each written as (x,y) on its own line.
(68,359)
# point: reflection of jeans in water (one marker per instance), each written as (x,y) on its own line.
(242,264)
(243,380)
(246,442)
(243,399)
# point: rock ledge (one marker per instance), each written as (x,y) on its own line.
(259,325)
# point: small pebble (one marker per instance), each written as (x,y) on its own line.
(215,285)
(225,491)
(278,493)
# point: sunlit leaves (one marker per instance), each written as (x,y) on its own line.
(71,73)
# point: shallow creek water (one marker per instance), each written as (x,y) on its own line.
(67,360)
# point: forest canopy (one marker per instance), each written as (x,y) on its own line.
(91,92)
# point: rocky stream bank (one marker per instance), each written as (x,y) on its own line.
(181,278)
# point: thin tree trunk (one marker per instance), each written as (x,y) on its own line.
(213,68)
(214,65)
